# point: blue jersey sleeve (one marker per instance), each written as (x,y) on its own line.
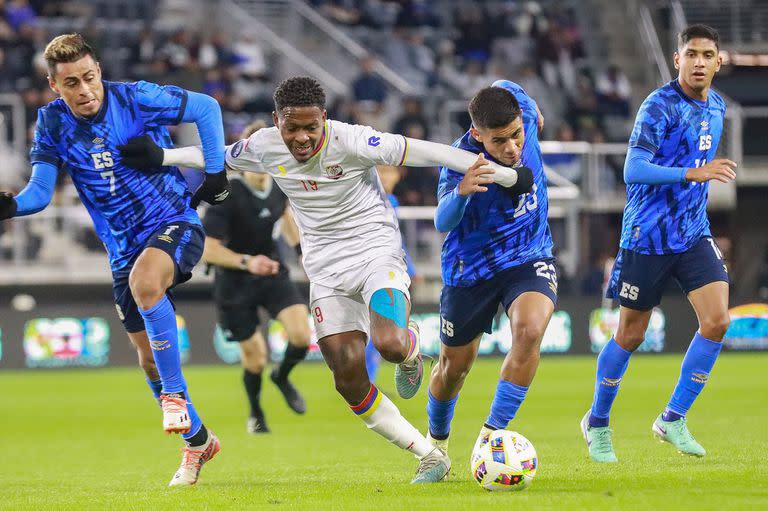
(638,169)
(651,124)
(43,149)
(165,105)
(161,105)
(39,191)
(451,205)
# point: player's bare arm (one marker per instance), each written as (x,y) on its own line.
(421,153)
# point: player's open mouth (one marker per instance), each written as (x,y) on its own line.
(303,150)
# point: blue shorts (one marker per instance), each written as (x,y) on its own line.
(638,280)
(465,312)
(182,241)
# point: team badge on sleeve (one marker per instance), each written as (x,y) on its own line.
(236,149)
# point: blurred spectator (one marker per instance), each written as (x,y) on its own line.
(566,164)
(370,92)
(18,13)
(250,57)
(473,78)
(344,12)
(416,13)
(176,50)
(411,58)
(412,122)
(614,92)
(474,41)
(583,109)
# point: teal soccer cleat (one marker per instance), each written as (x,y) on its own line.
(599,442)
(677,434)
(408,374)
(433,467)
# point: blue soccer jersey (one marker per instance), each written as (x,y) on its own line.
(126,205)
(494,234)
(680,132)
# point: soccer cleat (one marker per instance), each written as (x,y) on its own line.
(409,373)
(192,461)
(175,415)
(599,441)
(433,467)
(256,425)
(677,434)
(291,395)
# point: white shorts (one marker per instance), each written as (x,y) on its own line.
(344,310)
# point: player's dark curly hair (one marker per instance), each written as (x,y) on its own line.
(493,107)
(299,91)
(698,30)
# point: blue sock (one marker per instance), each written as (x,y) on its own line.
(160,322)
(156,386)
(611,365)
(505,404)
(694,373)
(440,414)
(193,416)
(372,361)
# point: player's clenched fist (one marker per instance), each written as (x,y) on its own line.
(720,170)
(476,178)
(262,265)
(7,205)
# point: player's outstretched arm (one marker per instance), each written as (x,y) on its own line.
(34,197)
(422,153)
(638,169)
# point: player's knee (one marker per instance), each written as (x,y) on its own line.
(452,372)
(527,334)
(253,362)
(352,388)
(299,335)
(390,343)
(145,289)
(714,327)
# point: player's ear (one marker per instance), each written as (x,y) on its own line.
(325,115)
(475,134)
(719,62)
(676,60)
(275,119)
(52,84)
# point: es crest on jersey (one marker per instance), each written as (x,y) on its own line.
(334,171)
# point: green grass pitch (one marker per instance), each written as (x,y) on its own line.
(93,440)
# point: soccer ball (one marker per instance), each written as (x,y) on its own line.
(507,461)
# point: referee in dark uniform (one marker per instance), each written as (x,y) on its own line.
(249,275)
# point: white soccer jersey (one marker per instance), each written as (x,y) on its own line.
(341,209)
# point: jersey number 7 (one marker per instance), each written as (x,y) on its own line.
(104,160)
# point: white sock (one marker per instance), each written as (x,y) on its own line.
(382,416)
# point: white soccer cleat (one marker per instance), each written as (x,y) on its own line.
(175,415)
(193,459)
